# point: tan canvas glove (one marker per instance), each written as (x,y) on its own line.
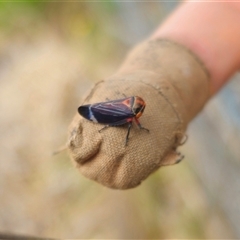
(174,84)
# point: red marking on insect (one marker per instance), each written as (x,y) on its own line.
(116,112)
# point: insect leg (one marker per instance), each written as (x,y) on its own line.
(106,126)
(128,132)
(139,125)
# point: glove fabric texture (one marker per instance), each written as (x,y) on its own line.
(174,83)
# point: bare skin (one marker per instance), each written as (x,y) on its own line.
(211,30)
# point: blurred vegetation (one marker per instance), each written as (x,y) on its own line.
(79,20)
(82,25)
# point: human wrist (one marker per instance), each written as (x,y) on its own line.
(211,31)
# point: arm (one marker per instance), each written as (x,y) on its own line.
(212,31)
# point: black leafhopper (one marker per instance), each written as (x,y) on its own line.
(116,112)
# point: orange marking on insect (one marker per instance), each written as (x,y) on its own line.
(127,102)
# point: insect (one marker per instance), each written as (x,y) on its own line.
(116,112)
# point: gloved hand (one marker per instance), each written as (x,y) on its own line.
(175,86)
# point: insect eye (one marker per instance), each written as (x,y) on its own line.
(138,109)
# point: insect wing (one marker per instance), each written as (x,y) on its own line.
(115,112)
(112,113)
(84,111)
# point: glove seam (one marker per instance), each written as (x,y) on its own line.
(197,59)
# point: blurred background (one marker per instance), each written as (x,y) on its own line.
(50,55)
